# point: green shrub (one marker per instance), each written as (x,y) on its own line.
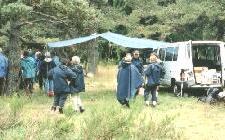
(105,123)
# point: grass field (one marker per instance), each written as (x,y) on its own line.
(104,118)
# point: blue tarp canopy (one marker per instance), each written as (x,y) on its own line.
(112,37)
(70,42)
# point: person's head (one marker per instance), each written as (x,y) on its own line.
(47,55)
(64,61)
(38,55)
(128,58)
(53,53)
(75,60)
(25,53)
(153,57)
(136,54)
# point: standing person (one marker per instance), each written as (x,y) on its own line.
(61,75)
(153,73)
(128,80)
(28,67)
(39,60)
(46,65)
(137,62)
(77,85)
(4,65)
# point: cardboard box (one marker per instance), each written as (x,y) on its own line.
(199,69)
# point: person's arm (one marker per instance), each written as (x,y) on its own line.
(147,72)
(22,64)
(141,68)
(70,74)
(50,74)
(53,64)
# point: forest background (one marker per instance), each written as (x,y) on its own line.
(33,23)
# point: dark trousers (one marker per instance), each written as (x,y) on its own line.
(28,85)
(151,89)
(2,86)
(60,99)
(40,81)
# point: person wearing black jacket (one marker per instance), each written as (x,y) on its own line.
(46,65)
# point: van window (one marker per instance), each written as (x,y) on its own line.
(175,55)
(206,55)
(169,54)
(162,53)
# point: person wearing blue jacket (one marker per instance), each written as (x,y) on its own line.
(153,73)
(137,62)
(77,85)
(128,81)
(4,65)
(28,69)
(61,75)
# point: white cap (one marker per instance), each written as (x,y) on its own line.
(76,59)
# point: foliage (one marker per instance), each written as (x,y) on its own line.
(24,22)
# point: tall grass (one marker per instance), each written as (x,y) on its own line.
(105,119)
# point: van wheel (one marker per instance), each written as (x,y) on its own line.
(175,90)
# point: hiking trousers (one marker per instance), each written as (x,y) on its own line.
(60,99)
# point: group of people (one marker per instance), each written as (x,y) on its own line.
(131,78)
(57,77)
(61,77)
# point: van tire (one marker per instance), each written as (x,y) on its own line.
(173,86)
(175,90)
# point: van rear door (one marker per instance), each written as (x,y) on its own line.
(222,56)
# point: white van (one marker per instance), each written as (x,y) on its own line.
(198,64)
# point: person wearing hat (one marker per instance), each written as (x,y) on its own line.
(153,73)
(60,75)
(46,65)
(128,80)
(4,65)
(77,85)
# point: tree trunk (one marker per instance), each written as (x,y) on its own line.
(93,56)
(14,58)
